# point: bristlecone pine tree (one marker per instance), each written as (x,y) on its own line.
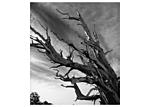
(97,69)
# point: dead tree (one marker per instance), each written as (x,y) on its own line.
(97,69)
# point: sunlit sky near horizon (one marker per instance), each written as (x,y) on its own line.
(105,15)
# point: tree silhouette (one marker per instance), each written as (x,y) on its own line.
(34,99)
(94,65)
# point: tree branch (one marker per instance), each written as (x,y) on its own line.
(41,36)
(80,96)
(56,66)
(68,72)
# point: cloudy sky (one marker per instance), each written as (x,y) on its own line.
(106,17)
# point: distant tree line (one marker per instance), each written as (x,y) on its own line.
(34,100)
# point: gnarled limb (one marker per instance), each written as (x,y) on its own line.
(56,66)
(79,19)
(56,57)
(73,80)
(79,94)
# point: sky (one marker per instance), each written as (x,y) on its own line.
(106,16)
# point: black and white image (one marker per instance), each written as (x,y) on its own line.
(75,53)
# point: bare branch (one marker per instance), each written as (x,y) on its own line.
(79,19)
(68,72)
(56,66)
(41,51)
(41,25)
(108,52)
(69,86)
(41,36)
(36,45)
(82,79)
(92,89)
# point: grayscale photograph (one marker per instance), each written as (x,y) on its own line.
(74,53)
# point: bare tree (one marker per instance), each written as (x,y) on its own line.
(97,69)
